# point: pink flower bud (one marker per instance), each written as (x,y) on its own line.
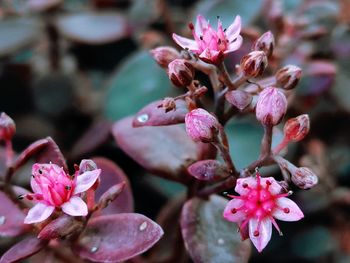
(180,72)
(201,125)
(304,178)
(164,55)
(265,43)
(254,63)
(288,77)
(7,127)
(297,128)
(271,106)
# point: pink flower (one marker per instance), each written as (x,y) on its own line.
(54,188)
(211,46)
(201,125)
(259,203)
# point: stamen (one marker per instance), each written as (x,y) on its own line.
(40,171)
(276,226)
(234,40)
(29,197)
(245,185)
(233,210)
(68,187)
(236,197)
(256,233)
(191,26)
(286,210)
(76,167)
(20,197)
(225,29)
(201,37)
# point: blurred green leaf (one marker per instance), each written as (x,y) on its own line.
(208,237)
(313,243)
(228,9)
(136,83)
(168,188)
(244,137)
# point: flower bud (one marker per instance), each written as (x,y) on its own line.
(180,72)
(87,165)
(271,106)
(164,55)
(288,76)
(254,63)
(7,127)
(265,43)
(168,104)
(304,178)
(297,128)
(201,125)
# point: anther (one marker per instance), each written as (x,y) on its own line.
(20,197)
(286,210)
(256,233)
(225,29)
(40,171)
(201,37)
(233,210)
(191,26)
(245,185)
(268,182)
(290,192)
(68,187)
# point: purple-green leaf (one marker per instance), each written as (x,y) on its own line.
(116,238)
(11,218)
(208,237)
(23,249)
(208,170)
(155,115)
(165,151)
(61,227)
(111,174)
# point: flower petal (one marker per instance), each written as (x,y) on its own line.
(293,211)
(234,45)
(234,29)
(185,42)
(263,236)
(232,212)
(86,180)
(201,25)
(75,207)
(274,187)
(38,213)
(249,181)
(35,186)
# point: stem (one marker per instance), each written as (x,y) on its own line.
(9,153)
(266,141)
(280,146)
(228,183)
(226,79)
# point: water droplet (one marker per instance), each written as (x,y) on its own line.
(143,226)
(221,241)
(143,118)
(94,249)
(2,220)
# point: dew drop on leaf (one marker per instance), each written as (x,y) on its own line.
(143,226)
(2,220)
(143,118)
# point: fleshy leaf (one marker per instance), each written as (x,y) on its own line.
(127,95)
(154,115)
(110,175)
(208,170)
(60,227)
(116,238)
(208,237)
(11,218)
(95,136)
(165,151)
(23,249)
(93,28)
(52,153)
(110,195)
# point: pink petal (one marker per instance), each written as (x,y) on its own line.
(265,231)
(234,29)
(285,204)
(201,25)
(86,180)
(38,213)
(234,45)
(274,187)
(35,186)
(239,215)
(75,207)
(185,42)
(250,181)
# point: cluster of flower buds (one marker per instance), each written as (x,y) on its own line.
(7,127)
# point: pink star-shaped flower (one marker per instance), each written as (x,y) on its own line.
(259,203)
(54,188)
(211,46)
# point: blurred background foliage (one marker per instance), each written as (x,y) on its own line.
(68,69)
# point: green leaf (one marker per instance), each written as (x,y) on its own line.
(208,236)
(244,136)
(227,10)
(138,82)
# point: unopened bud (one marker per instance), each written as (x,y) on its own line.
(180,72)
(164,55)
(304,178)
(7,127)
(265,43)
(271,106)
(288,77)
(254,63)
(297,128)
(87,165)
(201,125)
